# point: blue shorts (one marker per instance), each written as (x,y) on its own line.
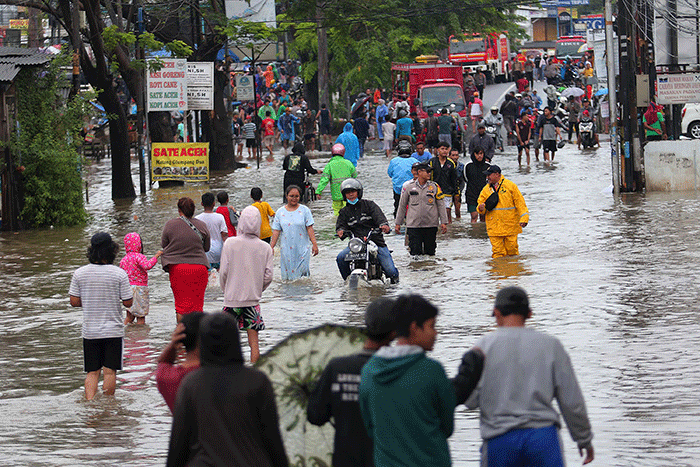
(525,447)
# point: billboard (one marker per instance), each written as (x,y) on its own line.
(200,86)
(678,88)
(167,87)
(257,11)
(180,161)
(244,87)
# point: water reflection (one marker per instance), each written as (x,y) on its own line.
(613,278)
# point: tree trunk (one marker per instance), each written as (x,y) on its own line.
(122,184)
(323,85)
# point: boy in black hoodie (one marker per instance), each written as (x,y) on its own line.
(474,174)
(336,394)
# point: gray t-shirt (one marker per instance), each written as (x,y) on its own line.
(101,288)
(524,371)
(548,127)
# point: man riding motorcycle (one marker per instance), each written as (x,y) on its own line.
(359,217)
(496,119)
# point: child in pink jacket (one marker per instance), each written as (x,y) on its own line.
(136,265)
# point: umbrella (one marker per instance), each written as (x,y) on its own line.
(358,106)
(223,52)
(293,366)
(602,92)
(573,91)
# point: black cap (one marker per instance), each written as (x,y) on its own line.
(493,169)
(481,125)
(101,238)
(421,165)
(511,300)
(379,317)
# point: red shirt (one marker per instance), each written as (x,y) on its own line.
(223,210)
(168,378)
(269,126)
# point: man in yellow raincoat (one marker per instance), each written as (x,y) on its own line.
(506,220)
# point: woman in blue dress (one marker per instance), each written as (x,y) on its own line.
(294,227)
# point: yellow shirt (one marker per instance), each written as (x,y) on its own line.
(265,213)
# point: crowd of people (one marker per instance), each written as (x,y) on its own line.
(390,404)
(401,409)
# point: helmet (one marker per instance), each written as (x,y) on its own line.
(494,108)
(404,148)
(402,113)
(351,184)
(338,150)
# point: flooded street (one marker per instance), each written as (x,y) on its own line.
(614,279)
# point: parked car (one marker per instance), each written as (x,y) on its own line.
(690,120)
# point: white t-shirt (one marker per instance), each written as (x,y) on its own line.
(388,129)
(101,288)
(216,225)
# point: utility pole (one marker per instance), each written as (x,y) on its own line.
(628,90)
(612,96)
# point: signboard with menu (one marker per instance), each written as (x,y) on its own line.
(167,87)
(200,86)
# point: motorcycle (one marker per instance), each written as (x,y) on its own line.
(296,89)
(491,130)
(585,128)
(364,260)
(309,191)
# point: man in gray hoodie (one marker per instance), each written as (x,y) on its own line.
(524,371)
(246,270)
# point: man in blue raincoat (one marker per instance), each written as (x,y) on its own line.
(352,145)
(380,115)
(286,126)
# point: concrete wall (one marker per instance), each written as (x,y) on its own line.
(672,165)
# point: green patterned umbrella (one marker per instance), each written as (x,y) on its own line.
(294,365)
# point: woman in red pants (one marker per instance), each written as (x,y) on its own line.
(185,241)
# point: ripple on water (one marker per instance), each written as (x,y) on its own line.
(613,278)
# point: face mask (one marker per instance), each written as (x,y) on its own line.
(354,201)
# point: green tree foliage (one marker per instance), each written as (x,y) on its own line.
(365,36)
(593,8)
(47,142)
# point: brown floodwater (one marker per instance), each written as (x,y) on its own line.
(614,278)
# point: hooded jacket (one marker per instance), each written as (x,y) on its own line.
(407,405)
(352,145)
(474,175)
(504,220)
(136,263)
(246,263)
(335,172)
(400,171)
(295,166)
(225,413)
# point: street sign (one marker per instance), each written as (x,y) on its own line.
(180,161)
(200,86)
(244,88)
(167,87)
(678,88)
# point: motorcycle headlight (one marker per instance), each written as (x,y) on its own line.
(356,245)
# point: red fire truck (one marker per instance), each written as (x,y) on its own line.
(571,46)
(486,52)
(429,87)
